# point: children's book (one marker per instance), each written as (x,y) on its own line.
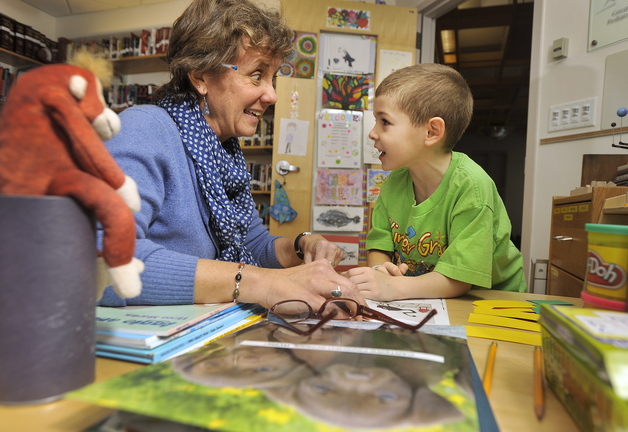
(147,341)
(267,378)
(156,320)
(188,342)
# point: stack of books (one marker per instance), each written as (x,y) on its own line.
(152,334)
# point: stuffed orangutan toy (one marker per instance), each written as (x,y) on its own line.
(52,129)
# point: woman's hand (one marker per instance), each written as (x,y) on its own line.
(316,247)
(312,282)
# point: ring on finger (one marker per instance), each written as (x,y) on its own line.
(336,293)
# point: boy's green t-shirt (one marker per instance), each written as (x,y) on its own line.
(462,231)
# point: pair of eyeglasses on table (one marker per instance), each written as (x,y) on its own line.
(290,313)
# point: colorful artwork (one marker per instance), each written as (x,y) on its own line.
(301,63)
(339,187)
(348,92)
(375,179)
(338,139)
(348,19)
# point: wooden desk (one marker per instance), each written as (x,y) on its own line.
(511,392)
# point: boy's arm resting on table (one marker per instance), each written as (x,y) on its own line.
(381,286)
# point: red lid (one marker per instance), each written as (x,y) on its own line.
(603,303)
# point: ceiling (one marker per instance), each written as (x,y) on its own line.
(61,8)
(492,48)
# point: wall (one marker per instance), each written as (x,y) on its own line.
(554,169)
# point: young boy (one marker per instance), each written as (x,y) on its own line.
(439,215)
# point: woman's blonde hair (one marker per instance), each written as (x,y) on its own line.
(211,32)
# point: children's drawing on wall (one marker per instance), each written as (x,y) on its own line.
(390,61)
(337,218)
(374,180)
(370,153)
(300,64)
(339,139)
(350,246)
(348,19)
(293,135)
(348,92)
(339,187)
(348,54)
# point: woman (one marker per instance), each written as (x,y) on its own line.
(198,232)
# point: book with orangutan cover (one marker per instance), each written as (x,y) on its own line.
(357,376)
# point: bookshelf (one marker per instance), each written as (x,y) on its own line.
(17,60)
(141,64)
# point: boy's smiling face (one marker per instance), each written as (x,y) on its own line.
(399,141)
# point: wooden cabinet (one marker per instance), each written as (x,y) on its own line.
(568,238)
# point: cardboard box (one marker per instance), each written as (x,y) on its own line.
(586,364)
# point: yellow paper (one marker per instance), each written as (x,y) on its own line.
(504,322)
(503,304)
(504,335)
(509,313)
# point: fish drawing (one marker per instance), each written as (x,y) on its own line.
(336,218)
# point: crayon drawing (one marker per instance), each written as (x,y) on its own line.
(338,139)
(339,187)
(348,19)
(348,92)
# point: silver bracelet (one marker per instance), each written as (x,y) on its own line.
(238,278)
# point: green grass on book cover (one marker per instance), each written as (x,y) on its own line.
(155,320)
(266,378)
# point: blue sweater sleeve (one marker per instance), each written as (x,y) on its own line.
(172,225)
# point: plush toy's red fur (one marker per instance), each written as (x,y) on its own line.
(51,144)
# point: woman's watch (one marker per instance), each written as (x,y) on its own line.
(297,246)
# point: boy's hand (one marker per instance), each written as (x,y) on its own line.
(392,269)
(377,284)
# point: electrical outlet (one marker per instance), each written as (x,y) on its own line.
(572,115)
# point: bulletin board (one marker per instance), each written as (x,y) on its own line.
(395,30)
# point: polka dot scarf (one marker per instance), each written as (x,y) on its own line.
(222,175)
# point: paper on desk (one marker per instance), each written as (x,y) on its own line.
(413,311)
(516,336)
(509,313)
(503,304)
(477,318)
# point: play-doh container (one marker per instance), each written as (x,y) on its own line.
(607,265)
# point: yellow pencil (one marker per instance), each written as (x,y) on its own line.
(488,370)
(539,390)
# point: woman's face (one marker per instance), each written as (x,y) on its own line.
(238,98)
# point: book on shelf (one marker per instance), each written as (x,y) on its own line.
(157,320)
(267,378)
(215,328)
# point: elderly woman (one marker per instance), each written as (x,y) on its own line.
(198,232)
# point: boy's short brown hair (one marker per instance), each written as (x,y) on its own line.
(429,90)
